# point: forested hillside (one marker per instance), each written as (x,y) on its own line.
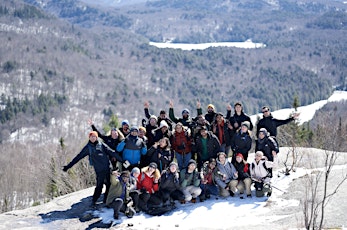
(98,60)
(63,62)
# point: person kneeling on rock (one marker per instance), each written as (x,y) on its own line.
(118,197)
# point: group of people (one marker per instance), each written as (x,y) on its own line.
(170,159)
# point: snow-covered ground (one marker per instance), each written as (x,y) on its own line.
(281,211)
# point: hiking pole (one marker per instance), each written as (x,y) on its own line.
(276,188)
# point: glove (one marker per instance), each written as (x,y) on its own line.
(126,164)
(176,176)
(65,168)
(143,190)
(139,143)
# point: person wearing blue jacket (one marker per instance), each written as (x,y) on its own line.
(99,155)
(132,148)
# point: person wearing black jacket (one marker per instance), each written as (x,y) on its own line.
(244,179)
(162,116)
(266,144)
(161,153)
(111,140)
(99,155)
(270,123)
(242,142)
(170,187)
(207,146)
(238,117)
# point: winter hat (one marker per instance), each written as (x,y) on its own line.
(125,122)
(185,111)
(239,155)
(114,129)
(163,124)
(135,170)
(221,153)
(153,165)
(173,163)
(260,153)
(191,161)
(219,114)
(134,128)
(93,133)
(153,117)
(263,130)
(246,123)
(211,106)
(203,128)
(143,129)
(125,174)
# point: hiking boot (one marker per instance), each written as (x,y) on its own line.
(249,195)
(130,212)
(269,193)
(231,193)
(193,200)
(115,216)
(241,197)
(182,201)
(93,205)
(208,196)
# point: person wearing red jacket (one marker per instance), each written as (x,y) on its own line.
(148,184)
(182,145)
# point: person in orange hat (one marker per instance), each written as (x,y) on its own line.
(99,155)
(211,113)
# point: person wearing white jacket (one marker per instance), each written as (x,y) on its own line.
(260,174)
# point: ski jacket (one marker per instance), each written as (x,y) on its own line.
(242,170)
(187,179)
(267,145)
(166,156)
(212,144)
(99,155)
(228,170)
(242,143)
(118,189)
(108,140)
(169,181)
(259,170)
(181,142)
(147,182)
(271,124)
(132,148)
(238,119)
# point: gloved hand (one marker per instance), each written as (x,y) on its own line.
(139,142)
(126,164)
(143,190)
(65,168)
(176,177)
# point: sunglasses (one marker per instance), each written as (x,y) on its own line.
(265,111)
